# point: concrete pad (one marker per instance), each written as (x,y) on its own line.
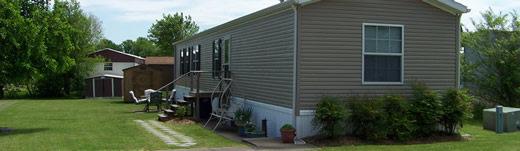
(241,148)
(275,143)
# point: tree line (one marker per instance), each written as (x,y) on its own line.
(169,29)
(45,47)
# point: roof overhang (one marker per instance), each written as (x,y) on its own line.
(127,54)
(247,18)
(449,6)
(106,75)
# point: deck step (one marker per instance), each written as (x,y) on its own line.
(163,117)
(170,113)
(182,102)
(174,106)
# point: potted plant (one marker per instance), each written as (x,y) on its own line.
(242,117)
(288,133)
(251,131)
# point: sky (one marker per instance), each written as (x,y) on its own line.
(130,19)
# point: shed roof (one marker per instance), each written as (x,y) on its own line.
(127,54)
(159,60)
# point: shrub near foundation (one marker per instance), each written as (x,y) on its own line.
(426,109)
(456,109)
(400,125)
(369,119)
(330,116)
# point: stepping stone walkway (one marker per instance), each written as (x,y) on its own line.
(174,138)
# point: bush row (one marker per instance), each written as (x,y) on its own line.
(392,117)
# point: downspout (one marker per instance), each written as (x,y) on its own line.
(459,32)
(293,6)
(174,65)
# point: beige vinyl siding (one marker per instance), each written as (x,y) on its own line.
(330,47)
(261,58)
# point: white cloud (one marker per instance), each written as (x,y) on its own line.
(204,12)
(479,6)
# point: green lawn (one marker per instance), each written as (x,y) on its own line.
(80,124)
(482,140)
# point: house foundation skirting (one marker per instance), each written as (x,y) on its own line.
(276,116)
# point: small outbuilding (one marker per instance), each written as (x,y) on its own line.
(155,73)
(106,80)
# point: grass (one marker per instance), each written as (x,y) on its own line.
(80,124)
(482,140)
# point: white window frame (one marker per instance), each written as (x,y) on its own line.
(382,54)
(108,64)
(228,38)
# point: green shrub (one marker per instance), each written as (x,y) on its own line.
(180,112)
(399,123)
(426,109)
(456,109)
(287,127)
(369,119)
(330,116)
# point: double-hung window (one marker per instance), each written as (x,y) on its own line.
(216,58)
(187,60)
(383,52)
(196,58)
(108,66)
(182,61)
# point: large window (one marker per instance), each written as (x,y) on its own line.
(383,54)
(216,58)
(227,53)
(185,60)
(108,66)
(195,63)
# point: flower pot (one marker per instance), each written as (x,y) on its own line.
(241,131)
(288,135)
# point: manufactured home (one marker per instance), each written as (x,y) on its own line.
(283,58)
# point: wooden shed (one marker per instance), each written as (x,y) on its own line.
(152,75)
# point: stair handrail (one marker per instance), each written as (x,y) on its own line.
(173,81)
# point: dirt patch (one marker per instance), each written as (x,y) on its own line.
(177,121)
(356,141)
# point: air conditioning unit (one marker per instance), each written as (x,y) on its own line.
(511,119)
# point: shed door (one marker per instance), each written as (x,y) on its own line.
(98,88)
(107,88)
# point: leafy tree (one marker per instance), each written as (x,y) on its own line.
(128,46)
(495,71)
(71,38)
(21,41)
(106,43)
(171,29)
(144,47)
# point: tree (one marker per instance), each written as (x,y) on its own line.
(144,47)
(106,43)
(21,41)
(70,40)
(171,29)
(495,71)
(128,46)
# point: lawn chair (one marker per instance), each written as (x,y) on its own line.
(137,101)
(155,99)
(225,114)
(172,100)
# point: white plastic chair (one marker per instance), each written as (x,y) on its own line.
(137,101)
